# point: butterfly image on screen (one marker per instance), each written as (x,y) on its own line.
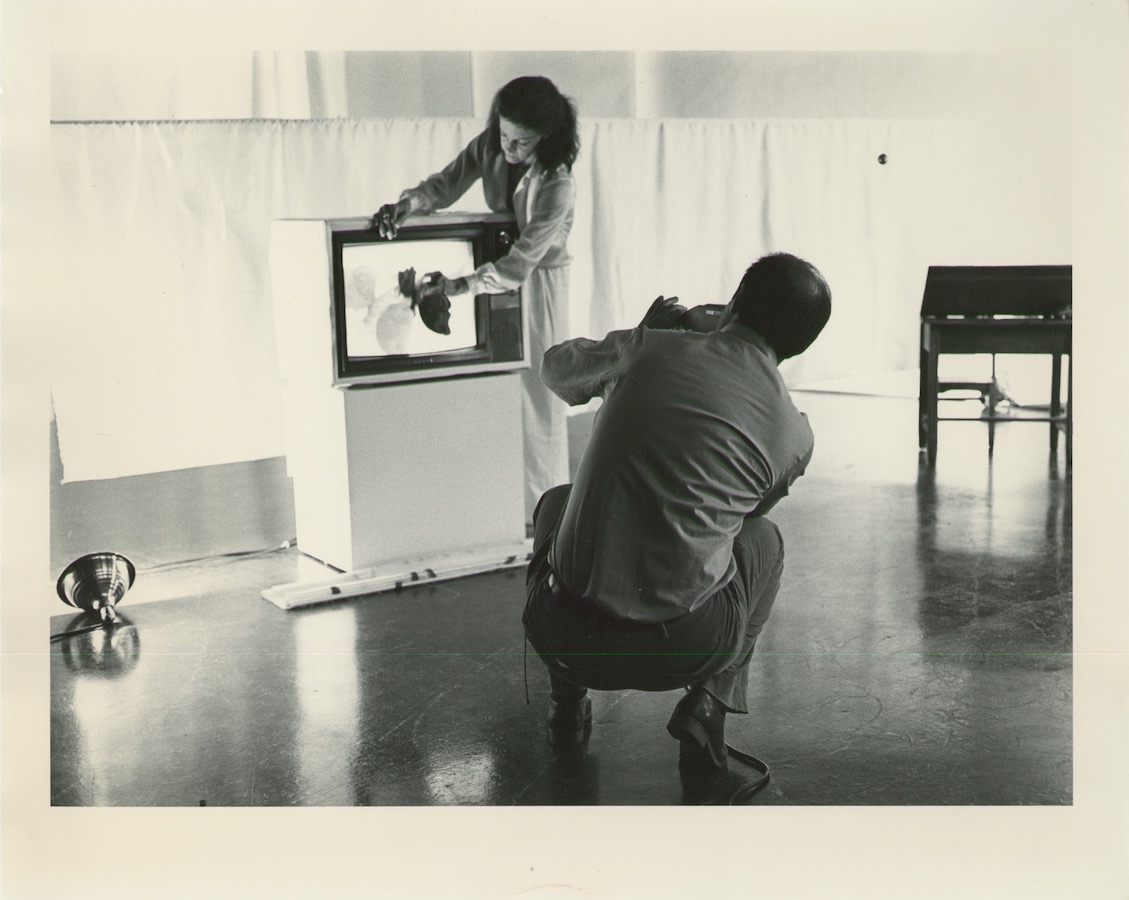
(385,314)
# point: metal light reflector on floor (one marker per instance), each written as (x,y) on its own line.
(96,583)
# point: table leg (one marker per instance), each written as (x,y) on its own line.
(1070,411)
(922,393)
(993,395)
(1056,405)
(930,387)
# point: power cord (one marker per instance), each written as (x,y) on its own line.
(235,554)
(748,789)
(89,628)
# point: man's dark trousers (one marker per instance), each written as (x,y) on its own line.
(585,647)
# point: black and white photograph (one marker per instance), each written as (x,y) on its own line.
(463,463)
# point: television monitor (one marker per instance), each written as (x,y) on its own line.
(381,335)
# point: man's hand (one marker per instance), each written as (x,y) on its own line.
(438,283)
(665,312)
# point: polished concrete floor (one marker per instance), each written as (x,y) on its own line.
(919,653)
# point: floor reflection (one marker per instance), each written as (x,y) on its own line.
(1018,595)
(572,776)
(94,649)
(326,693)
(103,698)
(463,778)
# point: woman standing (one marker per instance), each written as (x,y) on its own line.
(524,158)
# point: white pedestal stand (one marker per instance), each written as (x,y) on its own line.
(394,484)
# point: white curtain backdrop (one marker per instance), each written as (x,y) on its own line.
(158,294)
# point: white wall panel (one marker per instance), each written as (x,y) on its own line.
(94,85)
(601,82)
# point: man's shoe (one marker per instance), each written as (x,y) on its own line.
(569,720)
(698,723)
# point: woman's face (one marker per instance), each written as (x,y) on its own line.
(518,142)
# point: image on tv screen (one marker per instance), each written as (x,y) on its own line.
(379,281)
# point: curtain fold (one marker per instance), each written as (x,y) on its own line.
(160,306)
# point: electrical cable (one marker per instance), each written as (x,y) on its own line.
(285,545)
(750,788)
(66,634)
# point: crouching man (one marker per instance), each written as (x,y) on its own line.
(656,569)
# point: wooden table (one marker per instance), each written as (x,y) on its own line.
(993,310)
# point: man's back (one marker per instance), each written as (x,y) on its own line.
(696,432)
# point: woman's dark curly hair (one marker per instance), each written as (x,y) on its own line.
(534,102)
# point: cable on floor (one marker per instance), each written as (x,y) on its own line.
(66,634)
(747,790)
(235,554)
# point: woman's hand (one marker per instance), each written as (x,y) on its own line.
(438,283)
(390,217)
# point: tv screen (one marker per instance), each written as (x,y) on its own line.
(385,332)
(380,281)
